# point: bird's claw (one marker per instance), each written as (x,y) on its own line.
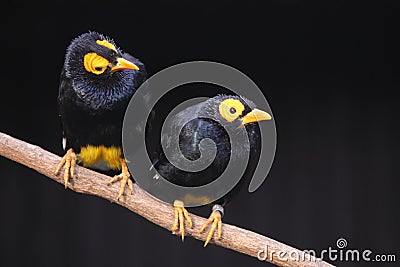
(69,160)
(124,177)
(180,213)
(216,220)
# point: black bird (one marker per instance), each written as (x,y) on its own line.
(211,119)
(97,81)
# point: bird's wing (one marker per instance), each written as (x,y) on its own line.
(65,84)
(178,120)
(183,117)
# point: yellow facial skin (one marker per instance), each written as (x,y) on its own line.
(95,64)
(231,109)
(106,44)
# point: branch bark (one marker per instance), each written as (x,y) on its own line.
(157,212)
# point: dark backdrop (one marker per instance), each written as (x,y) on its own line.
(327,70)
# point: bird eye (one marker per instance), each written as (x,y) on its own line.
(95,64)
(230,109)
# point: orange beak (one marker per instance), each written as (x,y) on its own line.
(255,115)
(123,64)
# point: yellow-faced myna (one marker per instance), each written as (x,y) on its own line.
(97,81)
(211,119)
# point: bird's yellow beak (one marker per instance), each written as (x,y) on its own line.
(255,115)
(123,64)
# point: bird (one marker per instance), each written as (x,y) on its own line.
(210,119)
(97,81)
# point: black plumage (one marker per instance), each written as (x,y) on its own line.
(97,82)
(212,119)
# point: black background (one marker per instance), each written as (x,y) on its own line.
(327,70)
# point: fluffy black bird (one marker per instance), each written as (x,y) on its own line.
(210,119)
(97,81)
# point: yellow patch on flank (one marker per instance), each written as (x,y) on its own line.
(196,200)
(106,44)
(91,155)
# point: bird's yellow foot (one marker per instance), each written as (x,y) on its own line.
(216,220)
(69,160)
(124,178)
(179,214)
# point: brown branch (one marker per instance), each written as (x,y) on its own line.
(160,213)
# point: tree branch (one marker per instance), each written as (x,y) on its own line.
(157,212)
